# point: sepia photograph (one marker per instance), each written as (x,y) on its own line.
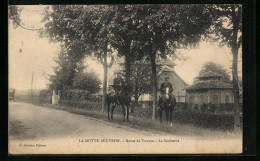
(125,79)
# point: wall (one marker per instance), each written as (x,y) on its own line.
(209,95)
(177,82)
(228,92)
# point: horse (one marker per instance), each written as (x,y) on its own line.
(167,104)
(123,99)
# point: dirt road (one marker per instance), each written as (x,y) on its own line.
(43,130)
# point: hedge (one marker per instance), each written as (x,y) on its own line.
(206,115)
(43,97)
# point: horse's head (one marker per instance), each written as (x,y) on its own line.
(167,92)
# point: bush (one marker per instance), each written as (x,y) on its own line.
(41,97)
(45,97)
(75,94)
(207,120)
(88,105)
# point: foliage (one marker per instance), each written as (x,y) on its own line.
(64,73)
(216,68)
(14,15)
(45,96)
(74,94)
(226,20)
(165,28)
(71,73)
(87,81)
(141,78)
(60,21)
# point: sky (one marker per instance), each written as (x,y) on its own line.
(29,53)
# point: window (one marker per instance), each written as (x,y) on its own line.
(214,99)
(191,100)
(227,98)
(202,99)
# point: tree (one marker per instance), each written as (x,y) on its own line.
(228,27)
(216,68)
(125,36)
(72,73)
(96,33)
(64,73)
(85,29)
(141,78)
(164,28)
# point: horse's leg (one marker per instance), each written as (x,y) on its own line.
(167,115)
(171,110)
(123,110)
(160,109)
(108,109)
(160,115)
(112,111)
(127,112)
(172,106)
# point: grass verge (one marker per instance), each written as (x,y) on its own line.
(150,125)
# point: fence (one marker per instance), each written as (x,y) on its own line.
(219,116)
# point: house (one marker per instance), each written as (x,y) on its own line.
(166,68)
(209,88)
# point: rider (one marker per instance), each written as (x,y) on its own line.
(164,85)
(118,83)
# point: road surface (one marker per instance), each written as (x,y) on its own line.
(43,130)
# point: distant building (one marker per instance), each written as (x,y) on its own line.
(209,88)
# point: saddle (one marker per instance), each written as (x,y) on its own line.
(117,99)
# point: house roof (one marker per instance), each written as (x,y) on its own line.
(210,85)
(209,74)
(165,61)
(169,69)
(166,69)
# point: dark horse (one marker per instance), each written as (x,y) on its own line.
(123,99)
(167,103)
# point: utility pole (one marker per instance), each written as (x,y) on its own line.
(32,83)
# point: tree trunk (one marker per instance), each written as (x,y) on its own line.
(234,48)
(104,100)
(235,90)
(154,83)
(127,61)
(127,68)
(136,100)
